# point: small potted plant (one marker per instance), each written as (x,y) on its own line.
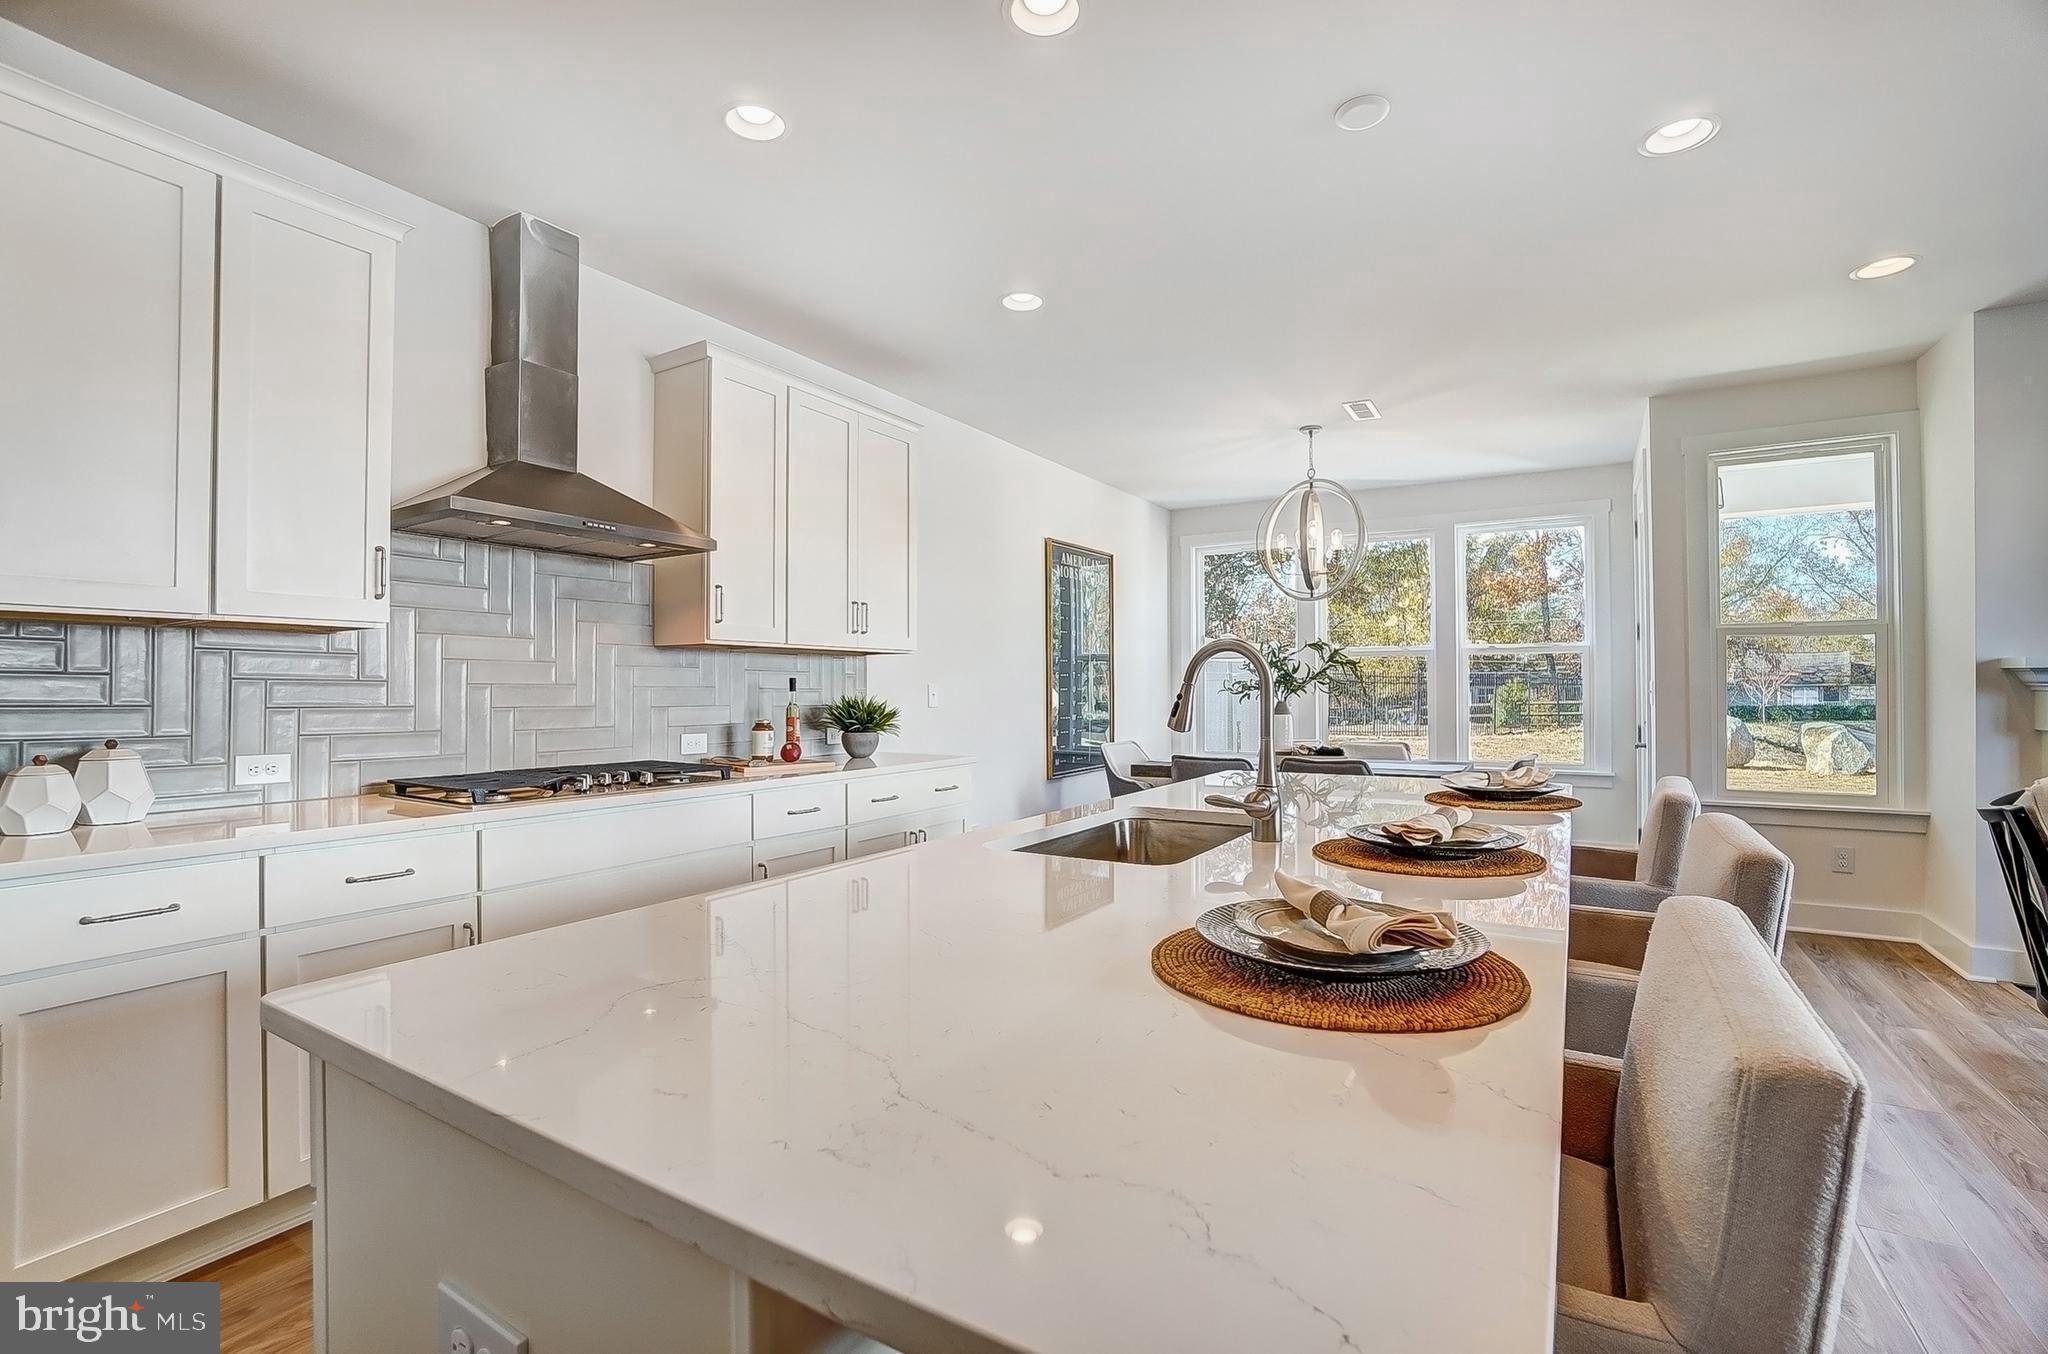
(1295,673)
(860,722)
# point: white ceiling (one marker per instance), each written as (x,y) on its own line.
(1494,264)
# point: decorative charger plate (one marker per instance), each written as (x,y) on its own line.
(1219,927)
(1479,786)
(1377,835)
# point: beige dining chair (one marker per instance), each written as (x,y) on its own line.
(1708,1191)
(1666,826)
(1725,858)
(1378,752)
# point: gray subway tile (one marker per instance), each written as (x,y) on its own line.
(326,693)
(253,663)
(36,655)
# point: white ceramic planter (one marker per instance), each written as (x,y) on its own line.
(113,785)
(38,799)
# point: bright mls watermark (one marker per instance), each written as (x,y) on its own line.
(142,1318)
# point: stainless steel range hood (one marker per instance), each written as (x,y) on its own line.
(531,493)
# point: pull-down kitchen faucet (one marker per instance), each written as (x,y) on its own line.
(1262,805)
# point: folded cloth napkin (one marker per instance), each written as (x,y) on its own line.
(1367,928)
(1526,774)
(1439,825)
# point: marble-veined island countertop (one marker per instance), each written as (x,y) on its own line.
(939,1095)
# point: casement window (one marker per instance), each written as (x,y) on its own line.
(1802,640)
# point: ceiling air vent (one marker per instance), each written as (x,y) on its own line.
(1361,410)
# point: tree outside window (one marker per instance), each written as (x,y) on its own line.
(1526,649)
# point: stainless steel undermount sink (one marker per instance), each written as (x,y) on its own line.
(1141,839)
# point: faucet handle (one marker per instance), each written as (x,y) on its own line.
(1257,804)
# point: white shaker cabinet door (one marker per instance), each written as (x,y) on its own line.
(748,507)
(823,445)
(304,463)
(884,582)
(333,950)
(106,371)
(131,1106)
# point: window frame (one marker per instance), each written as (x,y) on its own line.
(1197,549)
(1447,680)
(1588,648)
(1889,445)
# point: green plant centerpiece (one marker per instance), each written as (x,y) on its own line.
(1296,672)
(860,722)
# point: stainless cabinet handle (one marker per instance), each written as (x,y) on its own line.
(798,813)
(130,916)
(406,873)
(718,935)
(469,933)
(718,603)
(379,555)
(944,789)
(886,799)
(863,618)
(853,617)
(763,868)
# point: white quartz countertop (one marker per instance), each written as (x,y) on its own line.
(166,837)
(939,1095)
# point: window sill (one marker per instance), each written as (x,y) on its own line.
(1855,818)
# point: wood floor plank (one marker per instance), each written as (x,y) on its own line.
(1872,1321)
(2014,1145)
(1872,997)
(1892,1197)
(1891,1081)
(1994,1001)
(266,1296)
(1996,1221)
(1943,1290)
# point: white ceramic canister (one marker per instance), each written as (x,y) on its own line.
(114,785)
(38,799)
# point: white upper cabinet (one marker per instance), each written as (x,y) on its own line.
(823,438)
(106,342)
(726,471)
(303,523)
(176,467)
(808,496)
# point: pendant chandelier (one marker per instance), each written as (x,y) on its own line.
(1311,539)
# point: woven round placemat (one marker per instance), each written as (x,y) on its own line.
(1540,804)
(1489,988)
(1352,854)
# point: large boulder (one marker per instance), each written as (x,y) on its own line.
(1837,749)
(1741,743)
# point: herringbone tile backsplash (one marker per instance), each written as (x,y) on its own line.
(494,658)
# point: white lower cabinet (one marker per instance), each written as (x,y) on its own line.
(332,950)
(131,1105)
(783,856)
(557,902)
(867,839)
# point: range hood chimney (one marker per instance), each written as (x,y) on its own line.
(531,493)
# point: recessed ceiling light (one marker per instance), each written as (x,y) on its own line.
(1367,110)
(754,122)
(1885,267)
(1683,134)
(1044,18)
(1361,411)
(1024,1231)
(501,521)
(1023,300)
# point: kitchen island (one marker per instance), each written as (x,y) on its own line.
(937,1097)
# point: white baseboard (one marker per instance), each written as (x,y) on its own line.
(216,1241)
(1978,963)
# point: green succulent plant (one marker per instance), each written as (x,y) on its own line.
(860,714)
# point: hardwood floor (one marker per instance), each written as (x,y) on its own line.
(1952,1221)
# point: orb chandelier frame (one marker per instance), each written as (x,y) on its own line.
(1303,570)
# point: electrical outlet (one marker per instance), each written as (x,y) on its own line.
(268,768)
(693,743)
(467,1328)
(1845,860)
(931,697)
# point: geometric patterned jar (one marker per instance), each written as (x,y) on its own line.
(114,785)
(38,799)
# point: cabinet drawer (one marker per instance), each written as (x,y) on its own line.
(335,881)
(557,902)
(890,834)
(910,792)
(577,843)
(104,916)
(801,808)
(786,856)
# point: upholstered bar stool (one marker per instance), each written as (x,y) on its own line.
(1708,1193)
(1673,806)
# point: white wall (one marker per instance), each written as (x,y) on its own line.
(984,507)
(1609,817)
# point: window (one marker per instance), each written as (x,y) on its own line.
(1382,617)
(1525,649)
(1804,634)
(1235,598)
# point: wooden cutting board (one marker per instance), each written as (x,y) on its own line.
(770,770)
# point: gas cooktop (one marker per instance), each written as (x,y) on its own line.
(501,787)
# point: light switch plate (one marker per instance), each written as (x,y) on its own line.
(931,697)
(468,1328)
(266,768)
(693,743)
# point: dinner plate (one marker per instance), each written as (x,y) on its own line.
(1470,784)
(1376,834)
(1219,927)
